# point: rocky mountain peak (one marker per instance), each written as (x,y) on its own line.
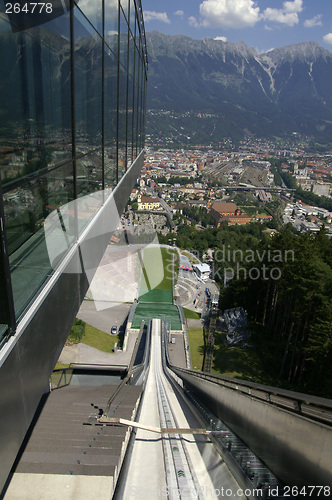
(284,89)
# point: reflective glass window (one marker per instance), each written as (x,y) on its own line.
(125,7)
(30,238)
(4,310)
(131,55)
(89,184)
(88,86)
(123,40)
(93,10)
(122,122)
(130,121)
(112,24)
(134,120)
(110,165)
(110,116)
(132,16)
(41,217)
(35,120)
(89,173)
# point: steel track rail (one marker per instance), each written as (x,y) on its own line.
(178,468)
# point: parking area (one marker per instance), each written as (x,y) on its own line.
(106,318)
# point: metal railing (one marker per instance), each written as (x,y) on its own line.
(313,407)
(60,378)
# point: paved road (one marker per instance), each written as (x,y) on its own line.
(103,319)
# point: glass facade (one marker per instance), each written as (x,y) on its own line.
(72,100)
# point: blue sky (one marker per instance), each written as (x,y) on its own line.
(263,24)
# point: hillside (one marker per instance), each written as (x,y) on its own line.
(282,91)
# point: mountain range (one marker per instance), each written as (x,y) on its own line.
(244,92)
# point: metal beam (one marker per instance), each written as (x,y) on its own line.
(158,430)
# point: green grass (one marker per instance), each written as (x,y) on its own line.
(94,338)
(61,366)
(99,340)
(196,345)
(144,311)
(259,363)
(156,296)
(191,257)
(189,314)
(157,270)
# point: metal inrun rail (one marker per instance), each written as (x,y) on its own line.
(178,469)
(239,458)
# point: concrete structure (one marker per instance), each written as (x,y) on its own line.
(72,101)
(282,428)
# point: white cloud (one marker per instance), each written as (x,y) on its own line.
(328,38)
(289,14)
(193,22)
(179,13)
(229,13)
(222,38)
(294,6)
(150,15)
(315,21)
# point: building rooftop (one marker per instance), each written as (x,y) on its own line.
(224,207)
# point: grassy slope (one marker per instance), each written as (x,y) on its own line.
(258,363)
(188,313)
(98,339)
(196,345)
(152,275)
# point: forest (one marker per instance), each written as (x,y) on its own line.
(291,300)
(285,284)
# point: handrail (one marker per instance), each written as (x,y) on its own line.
(98,366)
(64,371)
(130,367)
(76,366)
(313,407)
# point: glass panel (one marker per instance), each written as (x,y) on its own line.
(135,115)
(110,155)
(125,6)
(139,104)
(112,24)
(122,131)
(137,31)
(4,314)
(94,12)
(30,238)
(89,173)
(88,85)
(130,122)
(123,40)
(110,117)
(89,185)
(144,113)
(132,16)
(35,121)
(131,55)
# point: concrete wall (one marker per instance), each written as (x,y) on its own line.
(28,358)
(296,449)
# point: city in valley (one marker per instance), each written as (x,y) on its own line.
(258,182)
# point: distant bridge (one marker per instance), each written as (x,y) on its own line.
(278,189)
